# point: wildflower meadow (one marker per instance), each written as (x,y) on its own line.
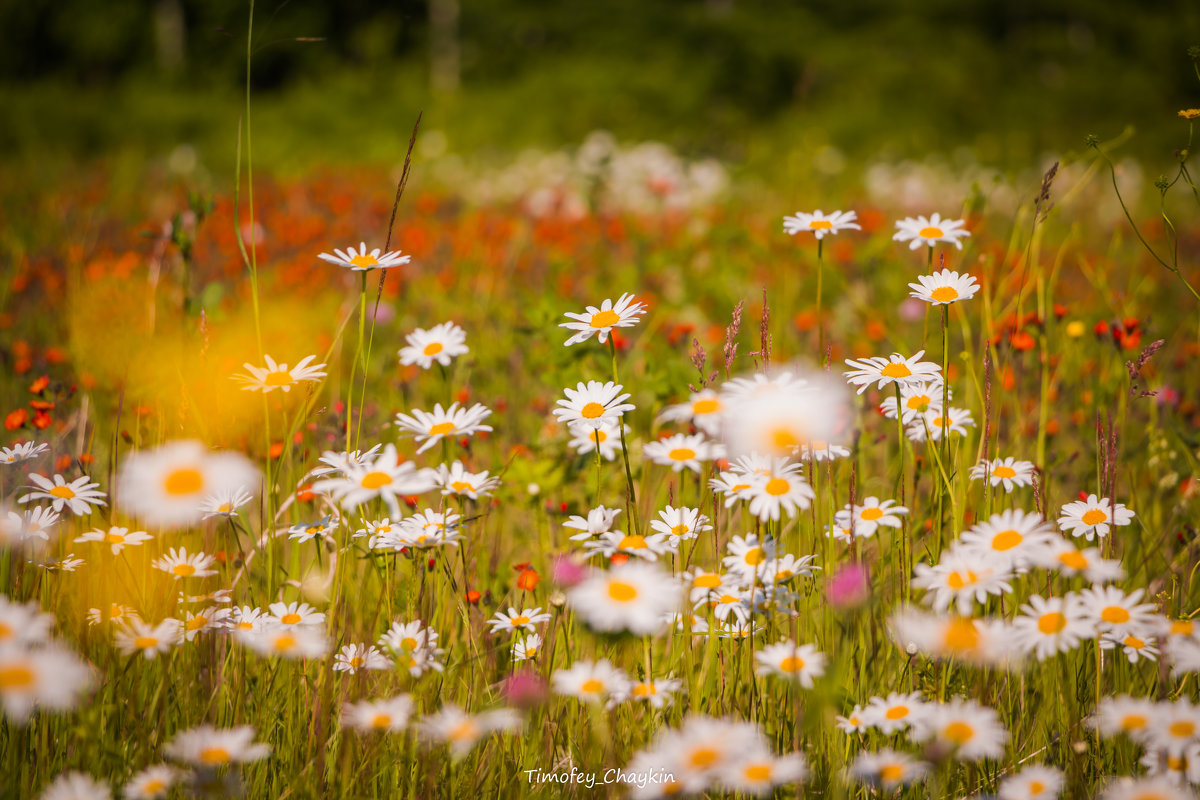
(606,472)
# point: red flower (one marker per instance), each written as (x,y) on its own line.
(39,386)
(528,579)
(16,419)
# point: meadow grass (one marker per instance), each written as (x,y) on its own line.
(1057,359)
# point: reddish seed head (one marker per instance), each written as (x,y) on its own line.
(1101,328)
(411,501)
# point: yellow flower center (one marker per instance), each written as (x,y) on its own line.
(16,677)
(1006,540)
(871,514)
(897,712)
(961,636)
(183,570)
(153,787)
(706,406)
(364,260)
(63,492)
(959,580)
(777,486)
(896,370)
(463,732)
(598,436)
(518,620)
(890,773)
(679,530)
(632,543)
(278,378)
(791,664)
(930,233)
(944,294)
(1179,627)
(145,642)
(644,690)
(1182,729)
(196,623)
(622,592)
(784,439)
(681,454)
(707,581)
(703,757)
(1134,642)
(356,662)
(1051,623)
(183,481)
(591,410)
(591,686)
(820,225)
(757,772)
(284,643)
(214,756)
(754,556)
(1115,615)
(374,480)
(1093,517)
(6,631)
(958,732)
(1001,471)
(1036,787)
(1133,722)
(381,721)
(441,428)
(114,538)
(919,403)
(290,619)
(1073,559)
(1176,763)
(409,643)
(462,486)
(730,598)
(605,319)
(433,348)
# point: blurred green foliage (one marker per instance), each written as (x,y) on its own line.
(737,78)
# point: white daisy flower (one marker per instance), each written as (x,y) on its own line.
(971,730)
(225,503)
(593,404)
(586,438)
(800,663)
(278,376)
(514,620)
(819,224)
(323,528)
(930,231)
(682,451)
(1070,561)
(1007,471)
(384,475)
(440,343)
(455,479)
(206,746)
(894,369)
(865,520)
(600,321)
(1034,782)
(432,427)
(391,714)
(462,731)
(79,496)
(22,452)
(1135,648)
(353,657)
(1093,517)
(915,399)
(895,712)
(48,676)
(1112,611)
(961,578)
(590,681)
(934,424)
(360,260)
(168,486)
(117,538)
(944,288)
(599,520)
(703,410)
(76,786)
(151,782)
(886,769)
(680,524)
(1049,627)
(1010,539)
(179,564)
(633,597)
(148,640)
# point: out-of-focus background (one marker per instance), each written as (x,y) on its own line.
(767,85)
